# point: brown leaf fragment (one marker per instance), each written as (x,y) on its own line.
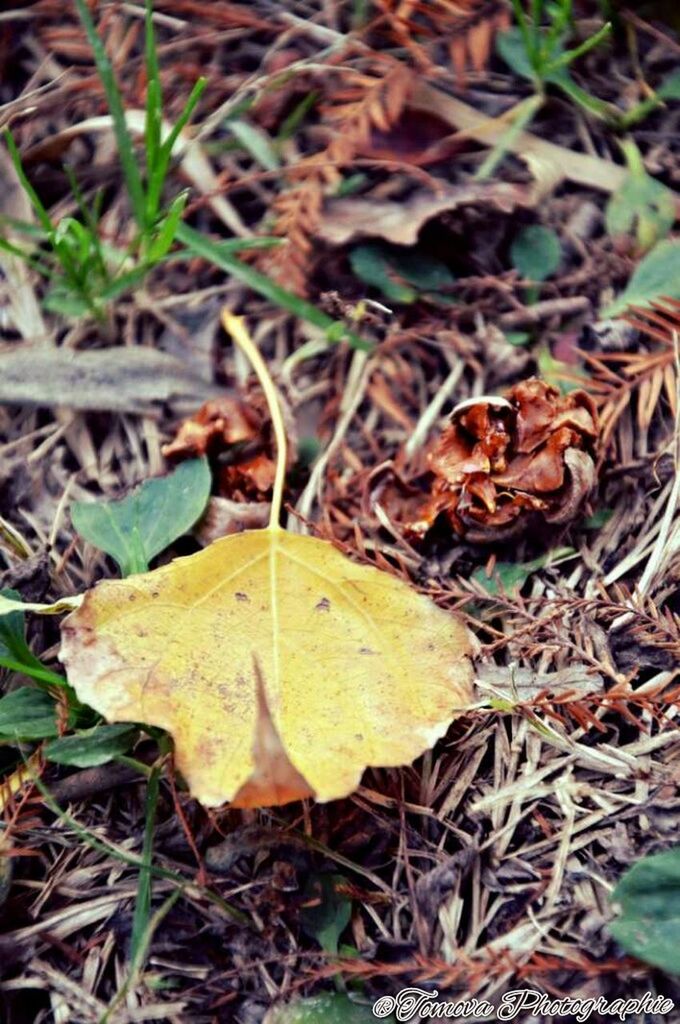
(251,479)
(237,439)
(499,463)
(218,423)
(343,220)
(520,683)
(223,517)
(415,138)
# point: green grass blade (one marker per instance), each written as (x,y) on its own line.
(140,920)
(160,170)
(128,280)
(200,245)
(589,44)
(23,227)
(160,246)
(35,200)
(183,119)
(126,152)
(33,261)
(230,246)
(40,674)
(109,850)
(125,282)
(154,94)
(90,220)
(137,962)
(522,116)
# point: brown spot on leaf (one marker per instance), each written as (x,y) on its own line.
(323,605)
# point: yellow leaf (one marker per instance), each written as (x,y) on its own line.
(268,652)
(281,668)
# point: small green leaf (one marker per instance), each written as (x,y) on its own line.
(326,1009)
(371,265)
(420,269)
(91,747)
(657,275)
(27,714)
(649,924)
(670,87)
(517,338)
(256,142)
(401,273)
(641,205)
(557,373)
(598,519)
(13,644)
(145,522)
(15,654)
(509,577)
(511,48)
(327,912)
(66,303)
(351,184)
(309,449)
(536,252)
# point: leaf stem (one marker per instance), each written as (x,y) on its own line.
(235,326)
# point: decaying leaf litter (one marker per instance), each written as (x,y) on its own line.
(489,862)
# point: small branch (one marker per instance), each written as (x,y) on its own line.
(542,310)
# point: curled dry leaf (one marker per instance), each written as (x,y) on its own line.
(248,479)
(228,425)
(221,422)
(280,668)
(415,138)
(223,517)
(343,220)
(502,462)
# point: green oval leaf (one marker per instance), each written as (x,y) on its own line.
(145,522)
(649,924)
(536,252)
(657,275)
(327,911)
(370,263)
(91,747)
(27,714)
(326,1009)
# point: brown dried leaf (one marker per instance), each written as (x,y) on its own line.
(217,424)
(248,480)
(500,462)
(223,517)
(343,220)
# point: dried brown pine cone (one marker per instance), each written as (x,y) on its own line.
(503,462)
